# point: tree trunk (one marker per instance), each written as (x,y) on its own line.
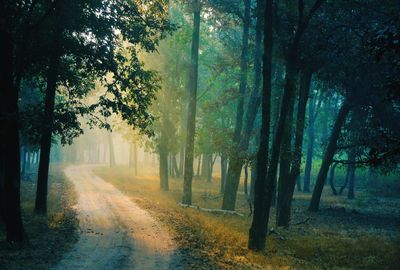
(232,183)
(332,178)
(211,168)
(111,150)
(45,142)
(175,166)
(198,166)
(298,183)
(164,185)
(310,145)
(246,178)
(9,138)
(135,158)
(352,169)
(329,153)
(253,179)
(224,168)
(345,182)
(284,168)
(2,195)
(23,161)
(258,229)
(181,159)
(205,166)
(285,203)
(191,119)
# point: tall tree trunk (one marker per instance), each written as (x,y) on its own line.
(181,159)
(258,229)
(346,179)
(329,153)
(310,145)
(164,185)
(191,119)
(224,168)
(284,166)
(23,161)
(45,142)
(211,168)
(253,179)
(332,178)
(2,195)
(135,158)
(110,150)
(9,136)
(198,166)
(352,165)
(205,166)
(298,183)
(246,178)
(242,136)
(285,203)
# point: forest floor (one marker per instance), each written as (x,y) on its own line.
(359,234)
(48,237)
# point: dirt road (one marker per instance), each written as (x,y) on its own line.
(115,232)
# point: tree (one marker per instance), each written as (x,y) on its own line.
(191,118)
(236,160)
(257,233)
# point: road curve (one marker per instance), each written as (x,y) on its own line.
(115,232)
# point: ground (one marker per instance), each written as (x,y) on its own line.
(48,237)
(357,234)
(126,222)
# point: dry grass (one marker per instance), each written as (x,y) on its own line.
(338,237)
(48,237)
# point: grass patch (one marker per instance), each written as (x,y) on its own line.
(48,237)
(338,237)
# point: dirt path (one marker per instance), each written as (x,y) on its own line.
(115,232)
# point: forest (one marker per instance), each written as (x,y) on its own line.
(199,134)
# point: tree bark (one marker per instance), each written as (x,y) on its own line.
(164,185)
(111,150)
(285,202)
(284,167)
(332,179)
(329,153)
(310,145)
(205,166)
(346,181)
(45,142)
(175,166)
(191,119)
(246,178)
(352,170)
(258,229)
(224,168)
(135,158)
(9,136)
(198,166)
